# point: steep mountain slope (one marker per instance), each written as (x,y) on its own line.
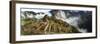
(46,25)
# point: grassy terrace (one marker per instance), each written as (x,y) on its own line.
(46,25)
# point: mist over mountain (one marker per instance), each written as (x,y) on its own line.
(56,21)
(80,19)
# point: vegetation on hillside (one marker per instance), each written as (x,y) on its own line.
(46,25)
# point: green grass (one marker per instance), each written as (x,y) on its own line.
(47,25)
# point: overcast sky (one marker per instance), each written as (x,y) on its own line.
(38,10)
